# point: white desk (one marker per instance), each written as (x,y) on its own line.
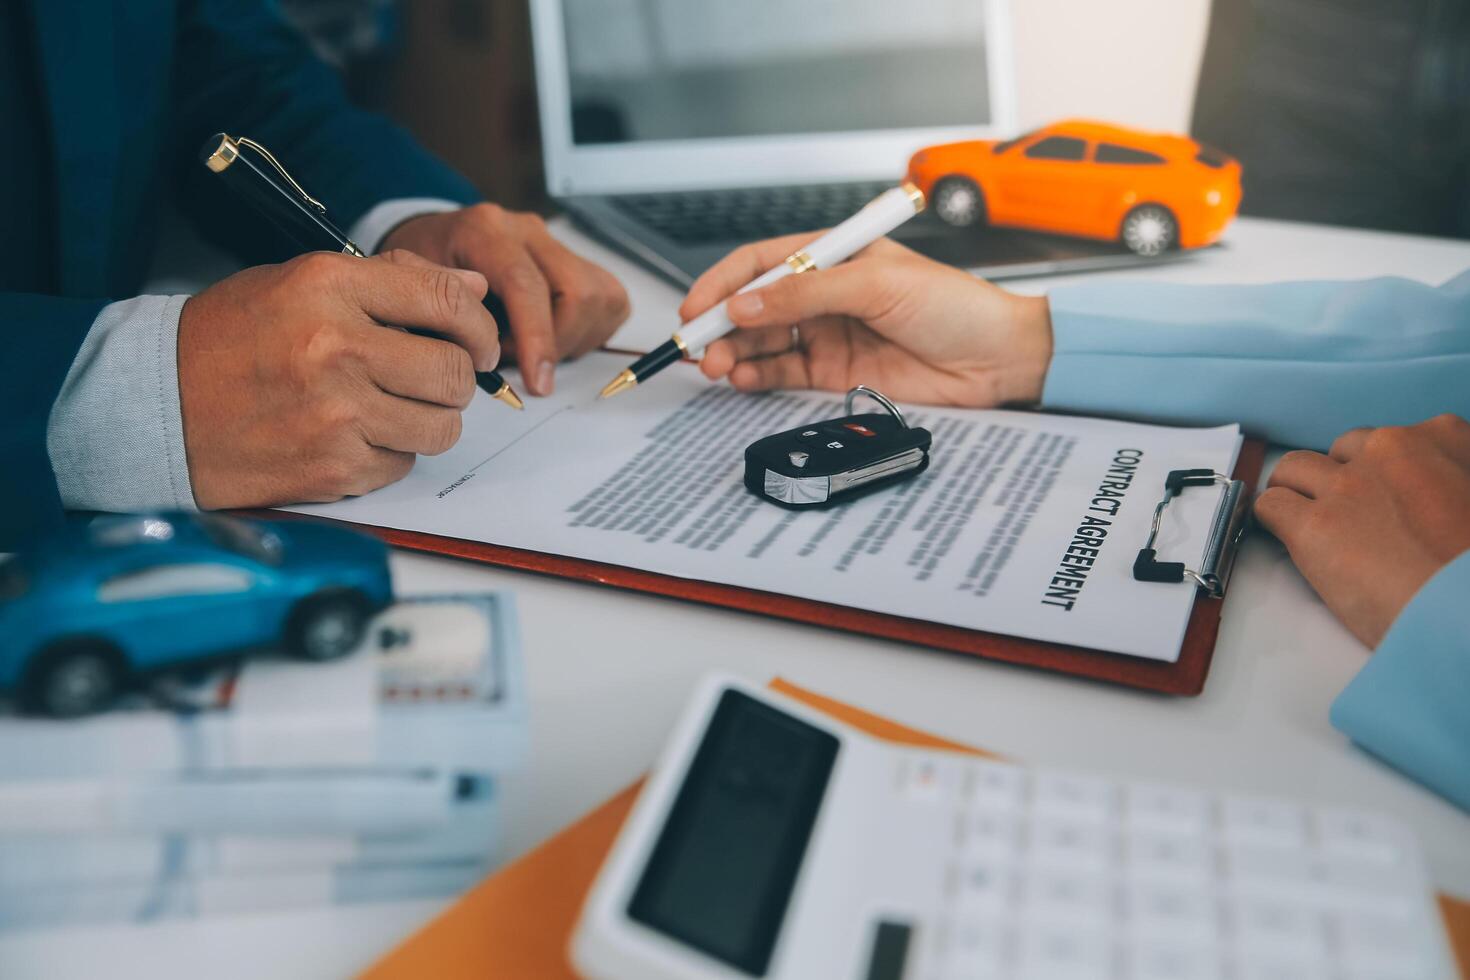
(610,670)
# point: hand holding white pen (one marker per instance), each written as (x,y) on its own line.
(880,216)
(918,330)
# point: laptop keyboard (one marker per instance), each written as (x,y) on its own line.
(1059,875)
(747,214)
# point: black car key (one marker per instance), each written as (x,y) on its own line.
(823,463)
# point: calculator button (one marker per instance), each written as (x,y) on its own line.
(1059,953)
(1267,966)
(1404,971)
(927,780)
(919,780)
(1263,822)
(991,835)
(1378,946)
(1072,845)
(1363,836)
(977,951)
(1364,886)
(1080,901)
(1173,961)
(1278,930)
(1266,866)
(1163,912)
(1169,856)
(993,786)
(1080,798)
(1165,808)
(984,889)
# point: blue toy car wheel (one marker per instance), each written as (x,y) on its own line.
(74,678)
(327,625)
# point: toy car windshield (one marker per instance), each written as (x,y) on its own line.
(242,538)
(126,531)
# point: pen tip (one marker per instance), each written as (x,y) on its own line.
(508,395)
(622,382)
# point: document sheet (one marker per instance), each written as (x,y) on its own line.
(1025,523)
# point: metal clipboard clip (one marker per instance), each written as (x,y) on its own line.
(1232,517)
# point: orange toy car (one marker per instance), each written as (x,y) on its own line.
(1150,191)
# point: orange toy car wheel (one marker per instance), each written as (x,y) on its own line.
(959,201)
(1149,229)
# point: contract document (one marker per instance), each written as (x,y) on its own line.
(1025,523)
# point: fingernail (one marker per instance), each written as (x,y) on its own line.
(746,305)
(545,378)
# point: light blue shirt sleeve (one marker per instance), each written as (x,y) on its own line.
(1300,364)
(1410,704)
(116,432)
(1296,363)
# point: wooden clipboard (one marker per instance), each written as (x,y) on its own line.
(1184,677)
(518,923)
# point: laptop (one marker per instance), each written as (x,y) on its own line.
(773,841)
(677,130)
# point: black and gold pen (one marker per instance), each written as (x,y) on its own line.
(285,203)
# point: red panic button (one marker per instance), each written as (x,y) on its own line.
(861,430)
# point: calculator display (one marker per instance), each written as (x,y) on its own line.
(722,870)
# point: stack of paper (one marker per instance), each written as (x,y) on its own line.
(269,782)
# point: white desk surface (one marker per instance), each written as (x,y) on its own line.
(610,670)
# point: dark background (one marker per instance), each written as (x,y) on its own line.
(1353,112)
(458,74)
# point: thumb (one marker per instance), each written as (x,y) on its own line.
(856,289)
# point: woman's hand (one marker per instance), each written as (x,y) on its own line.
(914,329)
(1373,520)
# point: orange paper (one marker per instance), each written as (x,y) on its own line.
(518,923)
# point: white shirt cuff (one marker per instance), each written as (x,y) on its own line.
(373,227)
(116,431)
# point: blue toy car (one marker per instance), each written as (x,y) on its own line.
(115,597)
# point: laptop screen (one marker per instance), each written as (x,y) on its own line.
(655,70)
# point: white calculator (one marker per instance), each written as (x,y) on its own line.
(773,841)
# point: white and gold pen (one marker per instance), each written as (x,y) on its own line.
(877,218)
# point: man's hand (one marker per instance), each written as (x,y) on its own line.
(293,387)
(915,329)
(1372,521)
(559,304)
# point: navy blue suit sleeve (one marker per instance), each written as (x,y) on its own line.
(42,337)
(239,68)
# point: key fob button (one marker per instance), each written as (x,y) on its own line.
(812,436)
(834,444)
(798,459)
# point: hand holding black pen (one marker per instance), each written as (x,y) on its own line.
(286,204)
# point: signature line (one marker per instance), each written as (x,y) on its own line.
(512,443)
